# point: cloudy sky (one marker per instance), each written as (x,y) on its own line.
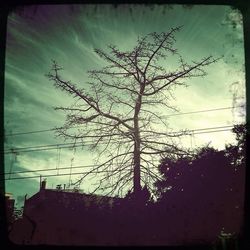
(69,34)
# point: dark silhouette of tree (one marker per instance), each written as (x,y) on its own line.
(237,153)
(206,190)
(118,109)
(141,199)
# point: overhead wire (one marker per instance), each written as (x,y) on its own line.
(88,143)
(73,167)
(52,169)
(175,114)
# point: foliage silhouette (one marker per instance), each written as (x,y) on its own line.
(207,190)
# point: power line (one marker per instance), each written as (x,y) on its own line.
(214,131)
(51,175)
(49,169)
(88,143)
(49,147)
(44,149)
(198,129)
(71,144)
(56,175)
(54,169)
(31,132)
(185,113)
(75,167)
(61,146)
(202,111)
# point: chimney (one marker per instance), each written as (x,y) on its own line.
(9,205)
(43,185)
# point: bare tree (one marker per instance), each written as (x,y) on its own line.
(119,108)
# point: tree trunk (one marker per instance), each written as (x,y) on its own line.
(137,163)
(137,143)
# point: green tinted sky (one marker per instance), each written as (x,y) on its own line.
(69,34)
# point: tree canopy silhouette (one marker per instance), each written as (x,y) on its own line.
(208,187)
(119,109)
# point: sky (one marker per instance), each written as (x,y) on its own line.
(68,34)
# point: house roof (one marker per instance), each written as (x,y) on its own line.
(64,197)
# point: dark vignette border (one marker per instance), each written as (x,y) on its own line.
(11,5)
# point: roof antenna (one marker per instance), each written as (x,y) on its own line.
(58,159)
(70,182)
(40,182)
